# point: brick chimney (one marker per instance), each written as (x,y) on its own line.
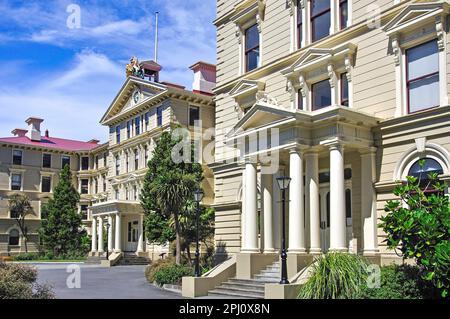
(204,78)
(34,128)
(19,132)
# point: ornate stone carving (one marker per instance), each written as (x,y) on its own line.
(302,85)
(263,97)
(259,22)
(348,67)
(396,50)
(440,33)
(330,71)
(238,33)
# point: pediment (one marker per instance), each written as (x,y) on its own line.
(125,99)
(261,114)
(246,87)
(415,14)
(316,57)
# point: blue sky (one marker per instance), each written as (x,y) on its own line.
(70,76)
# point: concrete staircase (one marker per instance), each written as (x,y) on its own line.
(248,288)
(131,259)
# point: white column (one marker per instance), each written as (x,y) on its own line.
(100,235)
(369,202)
(337,199)
(118,237)
(94,235)
(296,209)
(267,200)
(110,234)
(312,201)
(140,247)
(250,231)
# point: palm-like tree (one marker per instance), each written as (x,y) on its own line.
(172,191)
(20,208)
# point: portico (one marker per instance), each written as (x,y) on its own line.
(324,161)
(125,230)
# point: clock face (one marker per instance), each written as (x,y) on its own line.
(136,96)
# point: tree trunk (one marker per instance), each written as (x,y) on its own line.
(178,240)
(188,252)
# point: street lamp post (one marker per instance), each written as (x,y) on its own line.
(198,196)
(283,183)
(107,240)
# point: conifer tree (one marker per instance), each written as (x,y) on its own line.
(61,229)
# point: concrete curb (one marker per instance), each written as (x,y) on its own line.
(172,288)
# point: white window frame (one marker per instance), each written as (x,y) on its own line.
(51,160)
(46,174)
(199,113)
(244,19)
(317,65)
(16,172)
(12,156)
(407,33)
(70,160)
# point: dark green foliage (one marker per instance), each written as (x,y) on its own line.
(61,231)
(49,256)
(172,274)
(421,231)
(335,276)
(19,282)
(152,269)
(168,186)
(399,282)
(20,207)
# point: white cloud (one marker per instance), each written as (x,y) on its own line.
(71,102)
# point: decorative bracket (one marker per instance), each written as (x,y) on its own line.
(348,67)
(440,32)
(396,50)
(330,70)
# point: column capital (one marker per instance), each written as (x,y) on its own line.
(297,148)
(334,144)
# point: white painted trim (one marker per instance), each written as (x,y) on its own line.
(434,151)
(12,156)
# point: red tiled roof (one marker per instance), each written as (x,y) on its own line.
(52,143)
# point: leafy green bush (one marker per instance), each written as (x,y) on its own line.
(19,282)
(335,276)
(152,269)
(172,274)
(421,231)
(27,257)
(399,282)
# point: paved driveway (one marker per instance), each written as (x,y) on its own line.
(121,282)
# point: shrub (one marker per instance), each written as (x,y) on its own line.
(26,257)
(19,282)
(335,276)
(152,269)
(172,274)
(420,231)
(399,282)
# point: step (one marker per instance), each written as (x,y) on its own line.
(245,287)
(247,281)
(269,273)
(239,290)
(219,292)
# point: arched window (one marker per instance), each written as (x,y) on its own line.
(14,237)
(422,172)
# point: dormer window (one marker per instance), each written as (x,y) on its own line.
(252,58)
